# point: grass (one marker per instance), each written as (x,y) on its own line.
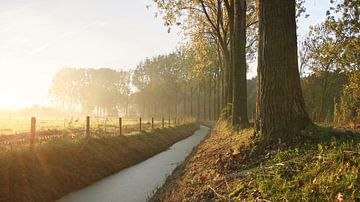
(229,166)
(14,126)
(15,132)
(325,167)
(60,166)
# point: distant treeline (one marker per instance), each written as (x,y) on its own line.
(91,91)
(168,85)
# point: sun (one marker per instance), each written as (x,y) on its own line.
(12,100)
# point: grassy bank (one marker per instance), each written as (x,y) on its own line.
(60,166)
(228,166)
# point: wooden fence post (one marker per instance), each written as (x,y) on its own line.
(140,124)
(120,126)
(175,121)
(163,122)
(152,123)
(32,132)
(169,122)
(88,126)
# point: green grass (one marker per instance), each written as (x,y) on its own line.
(325,167)
(60,166)
(13,126)
(234,166)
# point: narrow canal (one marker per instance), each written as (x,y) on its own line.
(139,182)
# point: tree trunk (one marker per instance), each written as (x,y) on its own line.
(191,100)
(184,104)
(204,99)
(324,89)
(280,108)
(221,77)
(226,79)
(239,112)
(231,56)
(209,99)
(198,103)
(127,106)
(217,96)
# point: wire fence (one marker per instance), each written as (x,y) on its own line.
(23,132)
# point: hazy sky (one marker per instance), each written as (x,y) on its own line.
(39,37)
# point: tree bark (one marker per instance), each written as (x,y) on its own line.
(230,58)
(227,74)
(280,107)
(239,111)
(210,99)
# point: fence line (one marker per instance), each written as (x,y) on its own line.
(88,129)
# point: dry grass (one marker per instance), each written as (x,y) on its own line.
(16,126)
(232,166)
(15,132)
(60,166)
(203,174)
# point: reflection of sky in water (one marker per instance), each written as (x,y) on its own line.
(138,182)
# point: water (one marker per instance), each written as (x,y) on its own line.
(138,183)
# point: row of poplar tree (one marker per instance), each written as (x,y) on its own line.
(266,30)
(206,76)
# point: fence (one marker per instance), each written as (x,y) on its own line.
(75,129)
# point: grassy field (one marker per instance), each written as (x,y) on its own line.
(62,165)
(16,131)
(14,126)
(230,166)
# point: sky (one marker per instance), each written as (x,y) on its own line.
(39,37)
(316,9)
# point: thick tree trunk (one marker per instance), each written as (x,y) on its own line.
(230,58)
(280,107)
(239,115)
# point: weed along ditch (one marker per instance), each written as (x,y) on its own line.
(139,182)
(59,166)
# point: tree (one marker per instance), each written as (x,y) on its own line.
(205,21)
(104,90)
(67,86)
(348,110)
(239,115)
(320,60)
(343,21)
(280,104)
